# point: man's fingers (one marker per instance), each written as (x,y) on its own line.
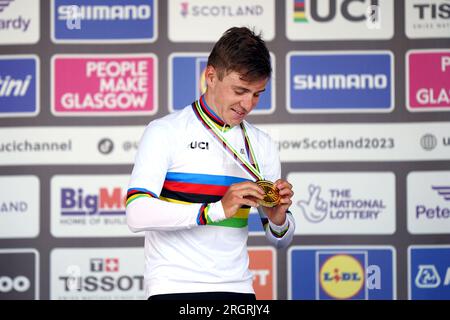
(246,186)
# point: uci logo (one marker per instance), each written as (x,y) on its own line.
(199,144)
(19,284)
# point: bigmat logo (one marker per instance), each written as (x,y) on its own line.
(89,206)
(339,19)
(430,92)
(427,18)
(429,202)
(205,20)
(104,85)
(19,274)
(263,267)
(19,206)
(97,273)
(19,86)
(349,272)
(187,82)
(344,202)
(106,21)
(19,21)
(429,272)
(340,81)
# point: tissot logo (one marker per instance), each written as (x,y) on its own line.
(427,18)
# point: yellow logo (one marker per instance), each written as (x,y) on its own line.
(342,276)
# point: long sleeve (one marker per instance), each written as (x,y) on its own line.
(144,210)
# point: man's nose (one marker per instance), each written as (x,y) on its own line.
(247,102)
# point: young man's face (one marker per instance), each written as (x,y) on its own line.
(232,97)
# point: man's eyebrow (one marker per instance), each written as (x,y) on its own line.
(247,90)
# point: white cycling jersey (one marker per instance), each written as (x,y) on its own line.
(179,177)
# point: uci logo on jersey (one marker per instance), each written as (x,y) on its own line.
(199,145)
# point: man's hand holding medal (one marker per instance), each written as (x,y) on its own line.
(274,197)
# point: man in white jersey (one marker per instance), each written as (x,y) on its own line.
(197,173)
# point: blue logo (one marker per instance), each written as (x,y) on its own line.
(104,21)
(350,273)
(187,83)
(340,82)
(429,273)
(18,86)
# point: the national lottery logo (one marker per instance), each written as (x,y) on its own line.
(341,273)
(104,85)
(342,276)
(335,82)
(430,92)
(344,203)
(340,205)
(187,82)
(81,21)
(19,86)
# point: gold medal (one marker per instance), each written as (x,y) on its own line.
(272,197)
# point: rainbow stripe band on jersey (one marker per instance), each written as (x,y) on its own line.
(134,193)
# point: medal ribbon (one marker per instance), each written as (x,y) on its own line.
(252,169)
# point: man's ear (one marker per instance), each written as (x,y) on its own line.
(210,76)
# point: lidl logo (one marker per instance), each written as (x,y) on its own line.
(340,82)
(187,82)
(429,272)
(342,276)
(341,273)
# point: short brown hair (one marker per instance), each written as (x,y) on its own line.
(242,51)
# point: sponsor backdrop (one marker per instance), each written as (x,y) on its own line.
(359,106)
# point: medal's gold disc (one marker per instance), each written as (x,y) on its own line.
(272,197)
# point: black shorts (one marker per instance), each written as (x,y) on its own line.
(237,296)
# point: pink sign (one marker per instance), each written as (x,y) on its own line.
(104,84)
(428,81)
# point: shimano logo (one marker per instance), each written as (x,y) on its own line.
(118,12)
(340,81)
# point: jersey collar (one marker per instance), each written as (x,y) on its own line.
(212,115)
